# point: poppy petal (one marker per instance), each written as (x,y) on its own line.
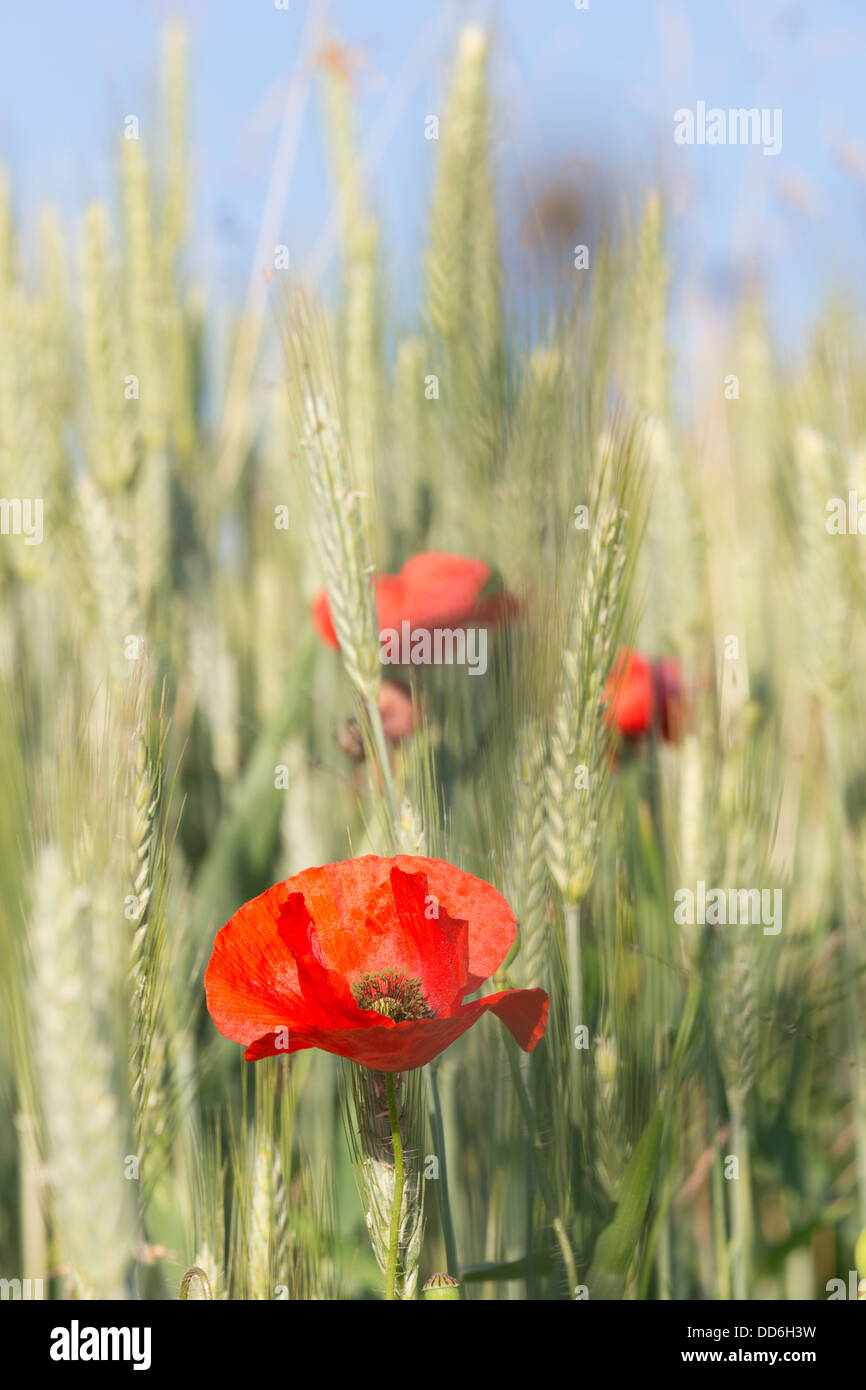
(322,620)
(433,589)
(355,938)
(328,998)
(440,944)
(405,1046)
(492,927)
(280,1044)
(436,588)
(251,981)
(524,1013)
(630,692)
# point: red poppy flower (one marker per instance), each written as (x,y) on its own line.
(640,692)
(369,959)
(630,694)
(432,590)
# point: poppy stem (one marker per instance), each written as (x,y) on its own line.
(396,1210)
(384,762)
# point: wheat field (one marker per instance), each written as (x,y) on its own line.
(177,737)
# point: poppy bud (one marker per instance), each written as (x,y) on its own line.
(441,1286)
(395,707)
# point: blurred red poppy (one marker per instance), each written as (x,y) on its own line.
(630,695)
(432,590)
(369,959)
(641,693)
(671,701)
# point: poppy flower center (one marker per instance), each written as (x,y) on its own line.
(393,994)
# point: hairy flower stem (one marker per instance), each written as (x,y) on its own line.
(375,718)
(444,1195)
(528,1113)
(394,1236)
(574,967)
(384,1123)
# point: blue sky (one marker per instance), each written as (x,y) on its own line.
(577,91)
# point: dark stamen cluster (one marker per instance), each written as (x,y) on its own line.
(393,994)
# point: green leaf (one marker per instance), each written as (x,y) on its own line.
(542,1263)
(617,1243)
